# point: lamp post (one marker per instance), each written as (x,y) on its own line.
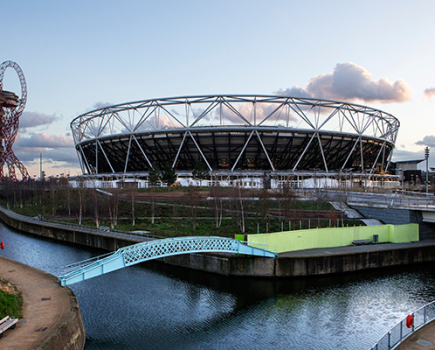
(426,156)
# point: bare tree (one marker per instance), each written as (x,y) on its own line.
(154,177)
(241,209)
(288,201)
(95,197)
(81,194)
(132,189)
(66,191)
(264,200)
(216,192)
(193,202)
(113,204)
(237,199)
(54,194)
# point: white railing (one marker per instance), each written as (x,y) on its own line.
(400,331)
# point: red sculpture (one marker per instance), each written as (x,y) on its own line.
(11,121)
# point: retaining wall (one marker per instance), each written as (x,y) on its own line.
(70,235)
(339,263)
(239,265)
(398,217)
(71,332)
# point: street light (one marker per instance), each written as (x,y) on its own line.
(426,156)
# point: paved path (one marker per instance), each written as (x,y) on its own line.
(42,317)
(356,249)
(423,339)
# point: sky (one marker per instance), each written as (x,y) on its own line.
(78,55)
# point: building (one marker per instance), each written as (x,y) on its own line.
(237,136)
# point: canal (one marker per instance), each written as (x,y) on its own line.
(156,306)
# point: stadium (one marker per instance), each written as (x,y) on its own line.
(236,136)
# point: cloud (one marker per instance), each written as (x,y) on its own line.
(67,155)
(295,91)
(33,119)
(402,155)
(57,151)
(100,105)
(429,94)
(351,82)
(427,141)
(277,117)
(44,140)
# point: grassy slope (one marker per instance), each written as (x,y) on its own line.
(10,305)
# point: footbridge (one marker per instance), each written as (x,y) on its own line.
(145,251)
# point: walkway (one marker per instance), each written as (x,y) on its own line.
(423,339)
(355,249)
(353,214)
(46,306)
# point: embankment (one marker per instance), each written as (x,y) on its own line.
(51,314)
(317,262)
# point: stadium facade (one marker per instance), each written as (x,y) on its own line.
(236,135)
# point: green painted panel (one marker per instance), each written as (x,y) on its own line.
(335,237)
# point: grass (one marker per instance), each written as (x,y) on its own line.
(10,305)
(169,212)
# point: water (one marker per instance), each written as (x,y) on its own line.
(156,306)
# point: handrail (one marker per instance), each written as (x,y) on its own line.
(66,225)
(399,333)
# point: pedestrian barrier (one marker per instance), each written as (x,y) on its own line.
(156,249)
(401,331)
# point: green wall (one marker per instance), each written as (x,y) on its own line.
(335,237)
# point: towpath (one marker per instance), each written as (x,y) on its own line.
(46,306)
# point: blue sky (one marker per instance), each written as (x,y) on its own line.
(78,54)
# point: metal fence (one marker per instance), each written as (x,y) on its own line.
(74,227)
(400,331)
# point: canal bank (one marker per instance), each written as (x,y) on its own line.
(51,314)
(309,262)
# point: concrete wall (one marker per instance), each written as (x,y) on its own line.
(240,265)
(71,236)
(335,237)
(225,264)
(399,217)
(327,264)
(71,333)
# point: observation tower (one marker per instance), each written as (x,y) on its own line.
(11,108)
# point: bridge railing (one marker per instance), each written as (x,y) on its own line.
(80,264)
(400,331)
(264,246)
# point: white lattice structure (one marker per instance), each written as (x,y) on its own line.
(230,133)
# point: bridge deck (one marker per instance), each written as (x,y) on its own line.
(156,249)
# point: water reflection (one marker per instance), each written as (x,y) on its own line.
(156,306)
